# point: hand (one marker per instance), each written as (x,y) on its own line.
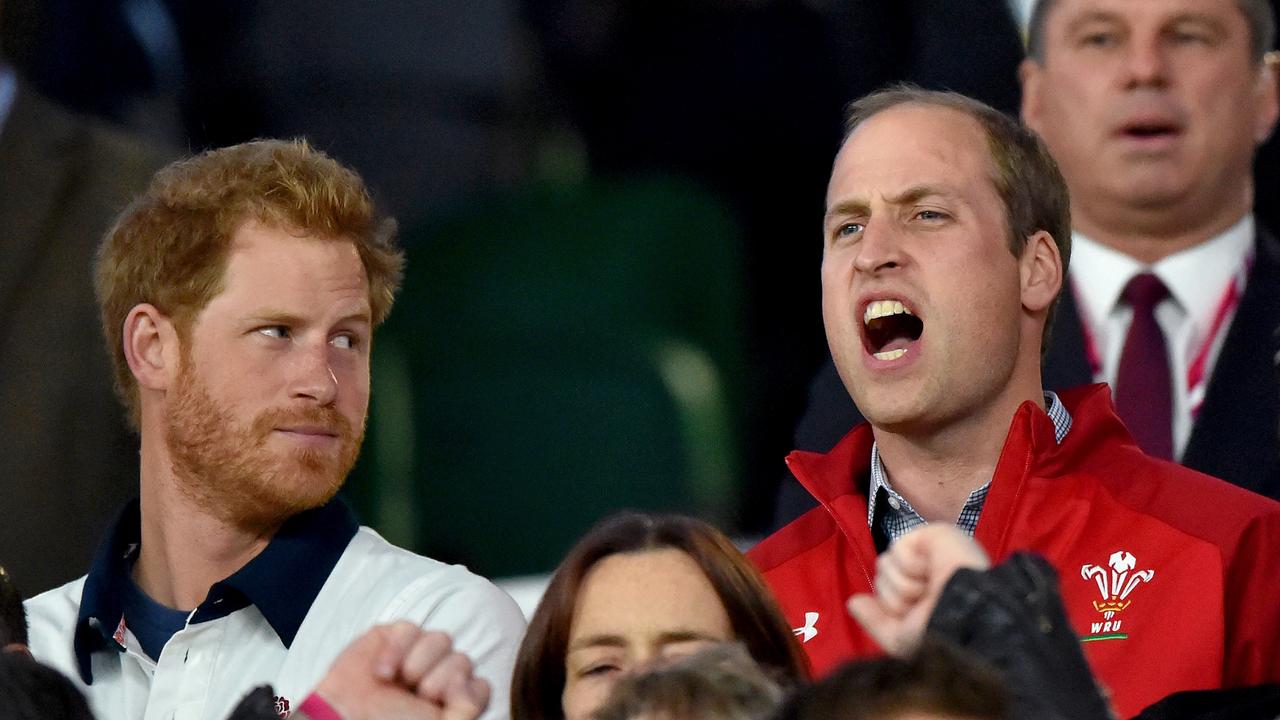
(910,576)
(402,671)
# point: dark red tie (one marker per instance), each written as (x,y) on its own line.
(1143,385)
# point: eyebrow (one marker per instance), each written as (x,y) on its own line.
(1092,16)
(591,641)
(1106,16)
(666,638)
(1209,21)
(915,193)
(284,317)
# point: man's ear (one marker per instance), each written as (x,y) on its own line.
(1029,75)
(1268,107)
(151,345)
(1041,271)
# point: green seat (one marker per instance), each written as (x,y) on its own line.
(555,356)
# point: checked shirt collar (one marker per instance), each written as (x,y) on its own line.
(900,518)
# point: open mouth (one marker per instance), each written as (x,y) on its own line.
(1150,130)
(889,329)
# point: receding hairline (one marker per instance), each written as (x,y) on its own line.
(922,103)
(925,100)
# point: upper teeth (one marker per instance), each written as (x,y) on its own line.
(883,308)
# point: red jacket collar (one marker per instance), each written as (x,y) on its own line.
(1030,450)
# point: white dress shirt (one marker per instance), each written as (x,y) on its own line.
(1198,279)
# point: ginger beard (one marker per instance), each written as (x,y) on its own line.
(227,470)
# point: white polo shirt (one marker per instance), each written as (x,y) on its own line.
(281,619)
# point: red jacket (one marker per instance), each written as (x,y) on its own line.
(1171,577)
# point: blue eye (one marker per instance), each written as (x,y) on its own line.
(345,342)
(848,229)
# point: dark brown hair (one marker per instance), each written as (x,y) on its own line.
(539,678)
(938,679)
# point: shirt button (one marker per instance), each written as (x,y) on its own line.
(893,503)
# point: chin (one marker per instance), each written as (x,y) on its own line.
(314,489)
(292,489)
(894,414)
(1154,187)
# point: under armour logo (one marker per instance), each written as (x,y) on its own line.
(809,630)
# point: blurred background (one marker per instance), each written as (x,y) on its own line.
(611,211)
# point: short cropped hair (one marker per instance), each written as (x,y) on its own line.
(1257,13)
(170,247)
(539,678)
(13,616)
(1025,175)
(721,682)
(938,679)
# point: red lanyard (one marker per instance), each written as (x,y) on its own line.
(1197,377)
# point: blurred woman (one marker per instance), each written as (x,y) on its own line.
(636,591)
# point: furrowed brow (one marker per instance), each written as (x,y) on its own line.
(846,208)
(916,193)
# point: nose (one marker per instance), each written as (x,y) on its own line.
(880,247)
(645,657)
(313,376)
(1146,64)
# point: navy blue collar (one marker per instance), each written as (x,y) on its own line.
(281,582)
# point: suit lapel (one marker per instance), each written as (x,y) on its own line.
(35,145)
(1234,437)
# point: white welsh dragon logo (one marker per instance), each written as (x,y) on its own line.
(1116,585)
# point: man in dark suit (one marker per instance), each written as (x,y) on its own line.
(1175,290)
(67,456)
